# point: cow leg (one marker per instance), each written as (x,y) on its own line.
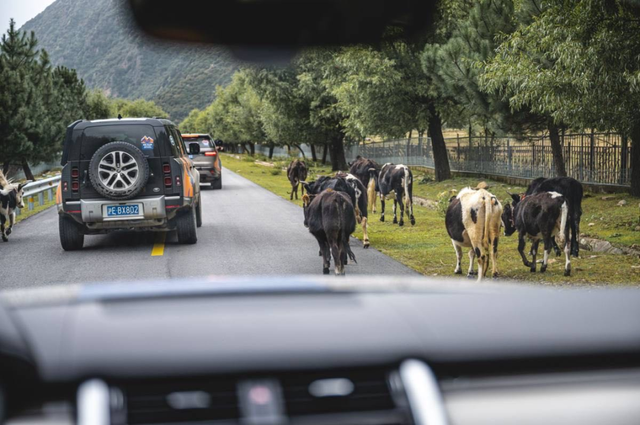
(12,220)
(326,257)
(567,256)
(521,245)
(395,207)
(365,237)
(493,254)
(381,207)
(297,184)
(458,248)
(2,222)
(291,194)
(548,244)
(534,249)
(481,262)
(556,248)
(472,256)
(338,265)
(575,234)
(399,200)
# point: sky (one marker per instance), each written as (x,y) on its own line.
(20,10)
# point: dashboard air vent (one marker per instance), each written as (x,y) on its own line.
(154,402)
(343,396)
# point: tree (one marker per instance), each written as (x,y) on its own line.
(188,125)
(98,106)
(139,108)
(578,62)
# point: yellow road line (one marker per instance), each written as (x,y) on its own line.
(158,247)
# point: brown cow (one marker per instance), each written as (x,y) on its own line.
(297,172)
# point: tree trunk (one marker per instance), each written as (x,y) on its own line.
(244,147)
(556,149)
(440,157)
(314,157)
(338,160)
(301,151)
(325,149)
(252,146)
(635,159)
(271,147)
(27,170)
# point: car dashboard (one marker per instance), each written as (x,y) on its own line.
(383,351)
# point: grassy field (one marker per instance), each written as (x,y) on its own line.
(427,248)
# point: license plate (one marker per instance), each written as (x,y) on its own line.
(124,210)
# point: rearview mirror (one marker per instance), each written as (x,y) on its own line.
(194,148)
(281,23)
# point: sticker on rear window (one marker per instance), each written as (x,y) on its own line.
(205,142)
(173,142)
(147,142)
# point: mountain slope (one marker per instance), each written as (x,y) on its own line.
(98,39)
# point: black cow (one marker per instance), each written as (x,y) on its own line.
(330,217)
(572,191)
(342,183)
(296,173)
(539,217)
(10,199)
(397,179)
(366,170)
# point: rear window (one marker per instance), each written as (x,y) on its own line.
(141,136)
(204,142)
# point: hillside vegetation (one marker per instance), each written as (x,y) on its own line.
(97,38)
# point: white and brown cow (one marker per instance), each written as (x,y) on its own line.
(473,221)
(10,199)
(399,180)
(367,171)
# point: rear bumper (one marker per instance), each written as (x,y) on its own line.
(157,213)
(209,174)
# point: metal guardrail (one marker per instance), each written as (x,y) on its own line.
(38,189)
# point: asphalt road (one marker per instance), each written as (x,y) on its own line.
(246,230)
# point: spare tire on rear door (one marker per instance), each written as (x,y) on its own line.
(118,170)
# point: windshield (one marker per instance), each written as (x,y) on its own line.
(499,144)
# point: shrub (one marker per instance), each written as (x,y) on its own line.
(442,201)
(275,171)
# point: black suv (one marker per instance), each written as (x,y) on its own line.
(127,174)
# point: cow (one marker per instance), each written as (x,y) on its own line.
(473,220)
(330,217)
(397,179)
(572,191)
(361,204)
(10,198)
(539,217)
(366,170)
(296,172)
(353,188)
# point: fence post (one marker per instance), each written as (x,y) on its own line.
(458,151)
(592,152)
(623,159)
(509,156)
(41,198)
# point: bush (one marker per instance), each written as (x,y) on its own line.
(424,179)
(275,171)
(442,202)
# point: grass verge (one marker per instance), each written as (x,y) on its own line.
(427,248)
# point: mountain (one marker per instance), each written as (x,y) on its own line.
(98,39)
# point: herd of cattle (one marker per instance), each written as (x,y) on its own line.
(332,206)
(10,199)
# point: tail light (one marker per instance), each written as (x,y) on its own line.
(212,153)
(178,181)
(167,181)
(75,186)
(75,173)
(166,168)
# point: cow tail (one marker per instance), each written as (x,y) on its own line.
(371,191)
(564,223)
(488,209)
(407,177)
